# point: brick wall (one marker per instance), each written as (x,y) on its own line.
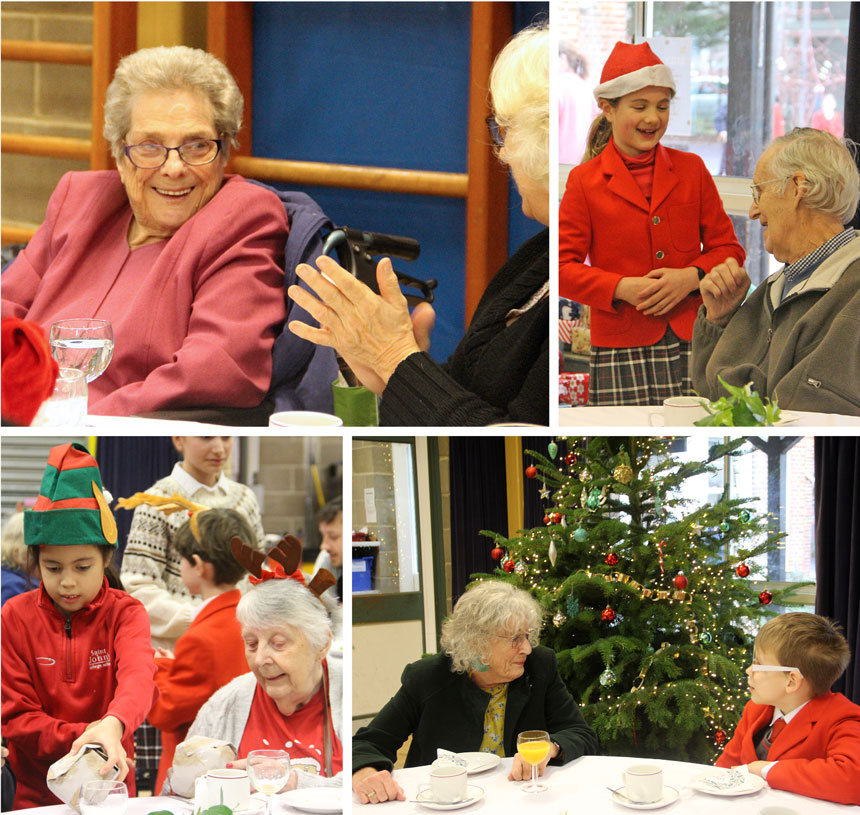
(42,98)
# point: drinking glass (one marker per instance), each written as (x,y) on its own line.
(85,344)
(533,747)
(67,405)
(268,771)
(103,798)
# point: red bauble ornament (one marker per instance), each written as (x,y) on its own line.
(720,737)
(765,598)
(497,553)
(680,581)
(607,615)
(556,517)
(531,472)
(570,459)
(547,520)
(743,570)
(509,566)
(611,559)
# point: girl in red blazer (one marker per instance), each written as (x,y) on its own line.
(650,223)
(77,662)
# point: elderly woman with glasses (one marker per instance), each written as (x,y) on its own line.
(491,682)
(797,337)
(183,261)
(500,370)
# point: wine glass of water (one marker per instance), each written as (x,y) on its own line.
(269,771)
(103,798)
(85,344)
(533,747)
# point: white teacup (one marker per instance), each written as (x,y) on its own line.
(304,418)
(680,411)
(643,783)
(447,783)
(227,786)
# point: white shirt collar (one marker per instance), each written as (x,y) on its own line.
(190,484)
(778,714)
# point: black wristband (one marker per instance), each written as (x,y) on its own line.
(701,272)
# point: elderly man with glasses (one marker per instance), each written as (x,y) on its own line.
(796,338)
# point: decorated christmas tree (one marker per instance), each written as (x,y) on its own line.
(649,600)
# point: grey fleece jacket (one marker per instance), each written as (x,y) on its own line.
(225,715)
(804,350)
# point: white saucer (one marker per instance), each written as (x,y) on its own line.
(480,762)
(670,795)
(698,785)
(786,417)
(473,794)
(314,799)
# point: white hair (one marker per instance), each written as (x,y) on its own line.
(14,550)
(491,608)
(832,183)
(177,68)
(519,86)
(276,603)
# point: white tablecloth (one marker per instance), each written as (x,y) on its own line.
(644,417)
(579,788)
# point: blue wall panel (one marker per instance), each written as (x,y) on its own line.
(382,84)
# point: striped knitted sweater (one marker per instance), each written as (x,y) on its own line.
(150,564)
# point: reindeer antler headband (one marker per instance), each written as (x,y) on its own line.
(167,505)
(287,554)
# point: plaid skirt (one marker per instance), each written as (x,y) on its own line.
(644,375)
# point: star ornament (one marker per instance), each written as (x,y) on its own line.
(544,492)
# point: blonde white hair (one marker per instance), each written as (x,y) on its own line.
(283,603)
(832,181)
(175,68)
(488,609)
(519,86)
(14,550)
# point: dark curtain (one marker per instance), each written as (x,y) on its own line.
(852,87)
(131,464)
(533,507)
(478,501)
(837,544)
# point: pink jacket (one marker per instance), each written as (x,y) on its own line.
(194,317)
(61,673)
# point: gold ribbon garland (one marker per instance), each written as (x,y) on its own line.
(647,594)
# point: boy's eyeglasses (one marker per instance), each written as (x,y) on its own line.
(783,668)
(754,188)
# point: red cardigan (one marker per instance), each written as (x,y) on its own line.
(55,684)
(207,657)
(817,755)
(605,218)
(194,317)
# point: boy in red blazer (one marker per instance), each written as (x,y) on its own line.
(211,653)
(794,732)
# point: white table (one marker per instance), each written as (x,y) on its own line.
(640,417)
(579,788)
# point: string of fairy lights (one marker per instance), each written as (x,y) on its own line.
(615,512)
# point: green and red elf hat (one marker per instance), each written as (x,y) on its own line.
(71,508)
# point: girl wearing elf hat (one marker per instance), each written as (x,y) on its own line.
(77,662)
(650,224)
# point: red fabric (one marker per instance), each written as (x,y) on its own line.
(604,217)
(277,573)
(54,685)
(627,58)
(778,727)
(28,370)
(301,734)
(834,126)
(194,317)
(207,656)
(818,753)
(642,169)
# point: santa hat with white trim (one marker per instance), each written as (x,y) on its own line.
(631,68)
(71,507)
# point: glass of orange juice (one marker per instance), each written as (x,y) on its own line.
(533,747)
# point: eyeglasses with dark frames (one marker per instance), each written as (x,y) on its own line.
(151,155)
(497,133)
(518,639)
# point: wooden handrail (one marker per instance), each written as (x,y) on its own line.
(54,146)
(66,53)
(381,179)
(16,234)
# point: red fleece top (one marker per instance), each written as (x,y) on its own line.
(817,754)
(55,684)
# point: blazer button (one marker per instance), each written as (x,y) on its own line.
(655,220)
(660,255)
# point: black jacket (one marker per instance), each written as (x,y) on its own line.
(498,372)
(441,708)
